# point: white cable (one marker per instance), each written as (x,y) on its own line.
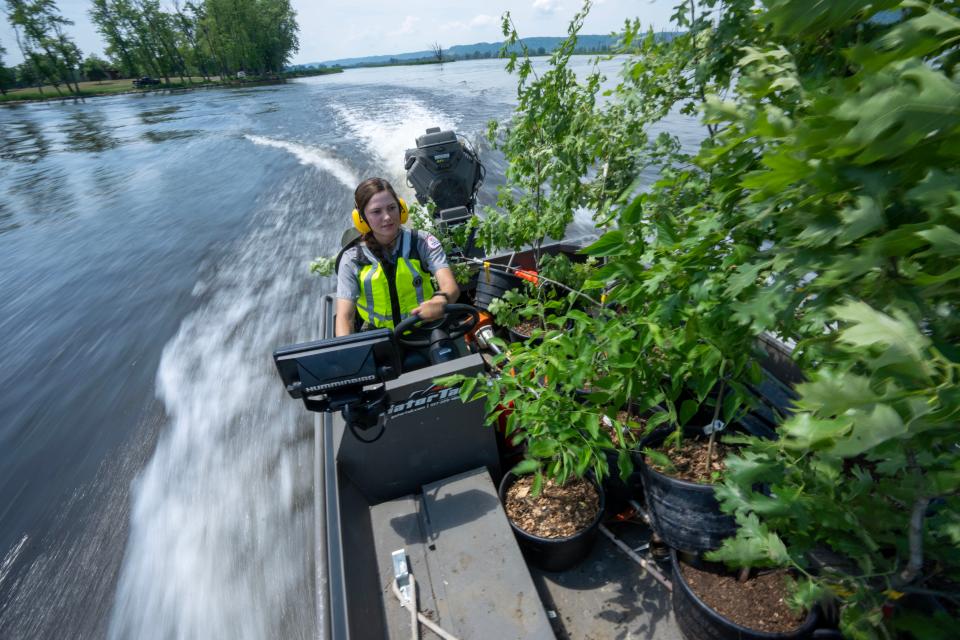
(413,606)
(416,615)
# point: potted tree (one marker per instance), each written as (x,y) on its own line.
(859,266)
(565,462)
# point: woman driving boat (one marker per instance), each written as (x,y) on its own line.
(384,276)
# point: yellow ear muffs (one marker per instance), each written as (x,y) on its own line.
(362,226)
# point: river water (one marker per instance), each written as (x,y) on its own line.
(155,479)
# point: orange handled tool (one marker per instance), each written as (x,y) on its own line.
(528,275)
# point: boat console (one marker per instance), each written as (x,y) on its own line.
(405,477)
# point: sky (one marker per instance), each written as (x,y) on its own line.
(331,30)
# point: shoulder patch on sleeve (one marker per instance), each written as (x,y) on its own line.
(432,241)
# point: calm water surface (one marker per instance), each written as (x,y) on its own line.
(155,480)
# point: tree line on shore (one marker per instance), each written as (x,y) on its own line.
(195,39)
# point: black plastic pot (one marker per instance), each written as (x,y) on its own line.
(519,337)
(554,554)
(619,492)
(686,515)
(697,621)
(516,336)
(492,285)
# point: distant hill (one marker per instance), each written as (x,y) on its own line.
(536,46)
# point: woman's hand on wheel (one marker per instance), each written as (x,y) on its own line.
(432,309)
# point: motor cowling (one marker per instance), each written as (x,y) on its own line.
(444,170)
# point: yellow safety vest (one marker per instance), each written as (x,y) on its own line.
(389,291)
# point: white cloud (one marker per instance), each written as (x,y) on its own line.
(546,6)
(408,25)
(483,20)
(477,22)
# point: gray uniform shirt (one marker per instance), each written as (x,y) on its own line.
(432,258)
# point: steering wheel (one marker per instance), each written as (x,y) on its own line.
(458,319)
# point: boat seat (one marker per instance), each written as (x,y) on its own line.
(471,577)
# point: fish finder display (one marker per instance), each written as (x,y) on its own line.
(333,372)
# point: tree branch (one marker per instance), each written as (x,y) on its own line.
(915,564)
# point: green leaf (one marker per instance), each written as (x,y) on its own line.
(659,458)
(466,389)
(753,546)
(745,276)
(925,34)
(895,110)
(609,244)
(938,191)
(657,419)
(632,213)
(944,240)
(832,392)
(592,424)
(624,464)
(747,469)
(543,448)
(870,430)
(687,410)
(526,466)
(817,16)
(897,335)
(866,217)
(537,485)
(803,432)
(583,462)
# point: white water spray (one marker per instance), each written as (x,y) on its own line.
(387,133)
(221,521)
(312,156)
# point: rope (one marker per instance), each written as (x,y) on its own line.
(417,615)
(648,566)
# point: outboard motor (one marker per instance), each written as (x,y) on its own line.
(445,169)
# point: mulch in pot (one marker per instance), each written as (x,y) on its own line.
(689,460)
(558,512)
(526,327)
(758,603)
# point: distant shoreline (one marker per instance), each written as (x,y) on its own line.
(408,63)
(88,90)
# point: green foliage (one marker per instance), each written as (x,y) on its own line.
(198,38)
(829,172)
(563,436)
(39,28)
(452,239)
(560,269)
(822,206)
(8,76)
(323,266)
(566,149)
(95,69)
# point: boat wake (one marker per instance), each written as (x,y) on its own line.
(10,558)
(312,156)
(221,520)
(387,133)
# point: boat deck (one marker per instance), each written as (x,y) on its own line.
(473,581)
(608,596)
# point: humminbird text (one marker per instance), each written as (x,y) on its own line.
(341,383)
